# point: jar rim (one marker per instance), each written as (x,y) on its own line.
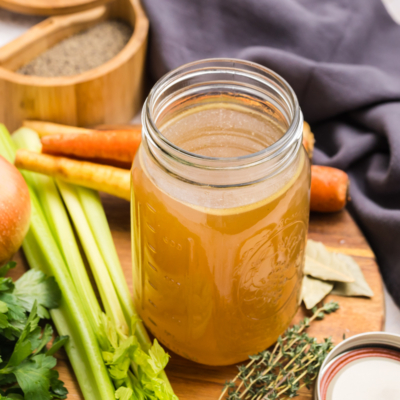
(256,71)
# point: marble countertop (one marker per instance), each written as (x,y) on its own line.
(12,25)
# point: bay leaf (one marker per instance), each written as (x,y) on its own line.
(359,287)
(314,290)
(322,264)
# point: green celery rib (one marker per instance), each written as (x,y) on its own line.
(97,219)
(61,227)
(43,253)
(7,147)
(82,348)
(107,291)
(60,316)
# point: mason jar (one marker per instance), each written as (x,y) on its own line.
(220,210)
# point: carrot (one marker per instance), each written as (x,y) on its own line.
(115,181)
(329,186)
(105,146)
(49,128)
(329,189)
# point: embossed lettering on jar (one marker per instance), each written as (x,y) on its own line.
(220,207)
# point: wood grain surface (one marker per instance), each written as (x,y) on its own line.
(193,381)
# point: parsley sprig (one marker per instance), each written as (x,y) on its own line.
(26,364)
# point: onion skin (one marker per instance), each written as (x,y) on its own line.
(15,210)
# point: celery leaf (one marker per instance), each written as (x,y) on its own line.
(123,393)
(158,357)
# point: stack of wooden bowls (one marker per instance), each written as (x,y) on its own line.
(110,93)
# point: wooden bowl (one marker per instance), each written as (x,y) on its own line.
(46,7)
(110,93)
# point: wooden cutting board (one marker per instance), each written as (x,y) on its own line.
(193,381)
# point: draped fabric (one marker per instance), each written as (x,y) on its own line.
(341,57)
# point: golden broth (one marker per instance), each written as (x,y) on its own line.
(218,284)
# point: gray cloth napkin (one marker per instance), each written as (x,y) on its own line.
(342,57)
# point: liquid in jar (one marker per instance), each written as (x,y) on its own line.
(217,282)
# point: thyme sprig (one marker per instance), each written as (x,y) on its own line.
(293,363)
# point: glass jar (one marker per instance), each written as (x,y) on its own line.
(220,209)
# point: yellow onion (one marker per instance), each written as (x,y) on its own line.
(15,210)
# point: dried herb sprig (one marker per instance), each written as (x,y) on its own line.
(292,364)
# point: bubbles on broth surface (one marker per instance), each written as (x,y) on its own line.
(224,129)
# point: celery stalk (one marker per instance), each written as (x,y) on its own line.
(60,225)
(107,292)
(7,147)
(43,253)
(91,204)
(97,219)
(88,216)
(76,354)
(69,318)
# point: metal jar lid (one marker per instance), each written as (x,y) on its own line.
(361,366)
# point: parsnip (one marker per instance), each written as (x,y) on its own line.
(112,180)
(49,128)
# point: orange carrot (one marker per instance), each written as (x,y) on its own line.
(329,189)
(108,147)
(329,186)
(115,181)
